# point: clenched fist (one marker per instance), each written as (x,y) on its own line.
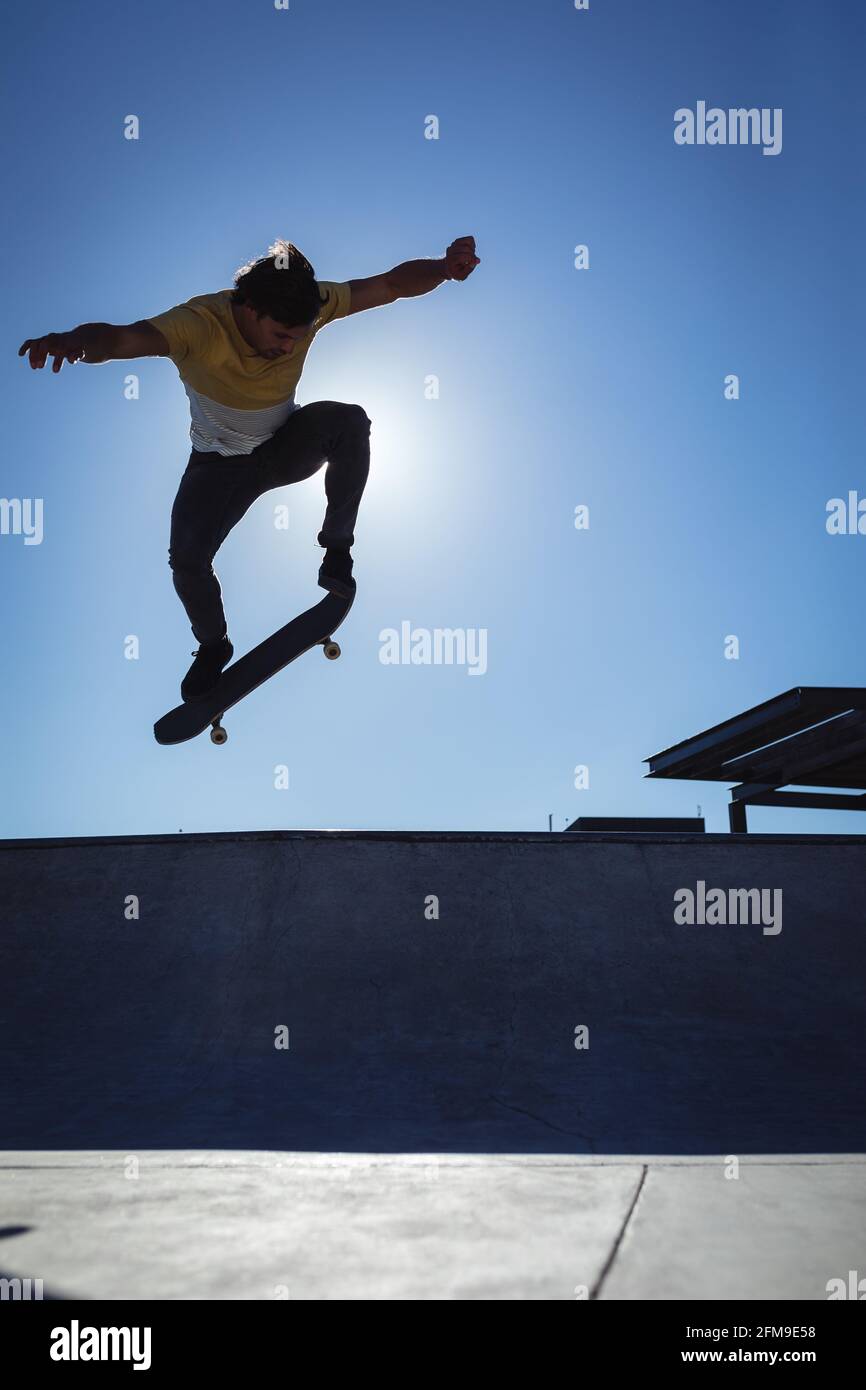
(460,258)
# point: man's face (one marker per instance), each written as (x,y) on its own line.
(266,336)
(276,340)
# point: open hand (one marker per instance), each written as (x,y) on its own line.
(60,346)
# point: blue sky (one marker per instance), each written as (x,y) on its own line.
(558,387)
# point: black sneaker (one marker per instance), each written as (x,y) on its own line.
(335,573)
(205,671)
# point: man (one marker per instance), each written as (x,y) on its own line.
(239,354)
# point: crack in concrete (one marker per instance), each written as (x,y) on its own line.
(574,1133)
(597,1287)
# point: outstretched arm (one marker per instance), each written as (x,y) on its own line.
(415,277)
(96,342)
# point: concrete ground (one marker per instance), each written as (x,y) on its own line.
(256,1225)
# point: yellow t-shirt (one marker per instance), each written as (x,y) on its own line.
(237,399)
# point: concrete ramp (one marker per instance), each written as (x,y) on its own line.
(430,986)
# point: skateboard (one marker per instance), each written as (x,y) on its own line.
(314,628)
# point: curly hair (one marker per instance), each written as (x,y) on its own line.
(281,285)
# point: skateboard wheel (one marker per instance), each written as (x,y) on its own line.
(218,734)
(331,650)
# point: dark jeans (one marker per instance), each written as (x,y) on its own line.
(216,490)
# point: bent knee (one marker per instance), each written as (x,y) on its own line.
(357,416)
(186,562)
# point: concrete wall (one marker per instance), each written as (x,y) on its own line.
(408,1034)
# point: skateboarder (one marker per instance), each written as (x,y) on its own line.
(239,354)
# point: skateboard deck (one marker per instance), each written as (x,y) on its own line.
(310,629)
